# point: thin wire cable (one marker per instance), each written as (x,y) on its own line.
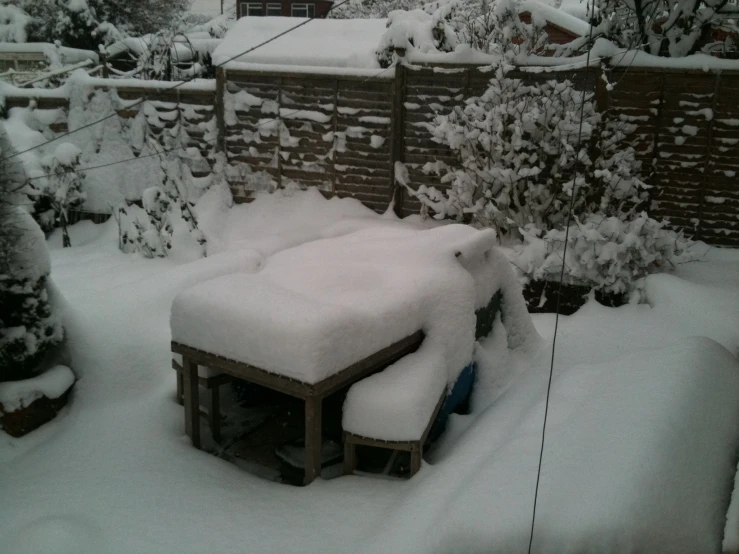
(559,287)
(161,92)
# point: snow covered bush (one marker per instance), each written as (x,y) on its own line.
(519,149)
(61,187)
(150,230)
(524,148)
(447,25)
(28,326)
(371,9)
(13,22)
(671,28)
(610,254)
(89,23)
(152,237)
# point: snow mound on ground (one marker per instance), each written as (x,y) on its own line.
(51,384)
(712,312)
(57,534)
(640,456)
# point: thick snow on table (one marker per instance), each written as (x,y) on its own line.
(318,308)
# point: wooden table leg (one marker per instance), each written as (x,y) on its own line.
(180,389)
(215,413)
(416,460)
(313,439)
(192,400)
(350,456)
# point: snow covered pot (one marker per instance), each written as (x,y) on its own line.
(28,326)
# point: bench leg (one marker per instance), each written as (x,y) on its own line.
(180,389)
(350,456)
(415,460)
(313,439)
(215,414)
(192,401)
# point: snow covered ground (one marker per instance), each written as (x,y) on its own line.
(115,473)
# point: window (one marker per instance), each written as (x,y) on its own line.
(304,10)
(250,9)
(274,9)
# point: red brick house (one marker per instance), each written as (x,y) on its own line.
(284,8)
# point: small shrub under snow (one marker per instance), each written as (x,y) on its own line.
(607,253)
(61,188)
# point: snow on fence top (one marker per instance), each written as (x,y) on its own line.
(341,45)
(54,55)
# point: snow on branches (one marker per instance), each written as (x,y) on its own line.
(524,147)
(62,185)
(450,25)
(670,28)
(28,324)
(613,254)
(519,145)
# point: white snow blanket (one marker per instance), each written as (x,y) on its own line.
(330,43)
(640,456)
(318,308)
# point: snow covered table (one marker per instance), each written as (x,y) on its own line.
(326,314)
(311,393)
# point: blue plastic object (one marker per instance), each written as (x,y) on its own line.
(459,395)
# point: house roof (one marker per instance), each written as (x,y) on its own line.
(335,44)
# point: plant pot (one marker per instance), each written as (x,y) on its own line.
(26,405)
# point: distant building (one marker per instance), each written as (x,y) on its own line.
(283,8)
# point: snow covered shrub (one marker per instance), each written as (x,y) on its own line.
(519,145)
(61,188)
(670,28)
(609,254)
(89,23)
(447,25)
(152,237)
(28,327)
(13,22)
(371,9)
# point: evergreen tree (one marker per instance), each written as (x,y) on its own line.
(89,23)
(28,326)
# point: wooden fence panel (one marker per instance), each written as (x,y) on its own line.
(343,135)
(363,142)
(328,132)
(720,214)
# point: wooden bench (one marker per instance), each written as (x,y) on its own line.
(414,447)
(213,385)
(311,393)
